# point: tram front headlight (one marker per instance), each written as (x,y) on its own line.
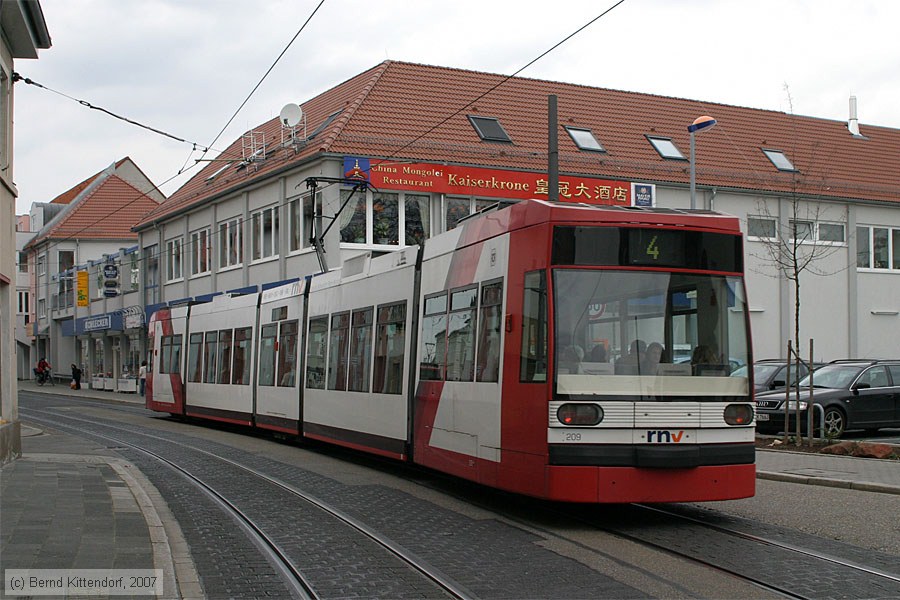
(579,414)
(738,414)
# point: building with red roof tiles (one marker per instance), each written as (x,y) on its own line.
(81,234)
(436,144)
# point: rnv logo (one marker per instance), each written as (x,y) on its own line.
(664,436)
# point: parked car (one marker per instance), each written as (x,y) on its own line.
(853,394)
(771,373)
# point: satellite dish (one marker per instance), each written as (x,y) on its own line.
(291,115)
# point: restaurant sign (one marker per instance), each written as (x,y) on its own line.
(481,182)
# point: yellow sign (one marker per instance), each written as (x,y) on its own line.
(82,288)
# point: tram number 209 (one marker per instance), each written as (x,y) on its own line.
(573,437)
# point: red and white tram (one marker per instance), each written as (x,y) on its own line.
(564,351)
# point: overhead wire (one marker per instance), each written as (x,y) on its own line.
(286,201)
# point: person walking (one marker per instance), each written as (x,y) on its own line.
(142,376)
(76,377)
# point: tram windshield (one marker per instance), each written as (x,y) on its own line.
(658,335)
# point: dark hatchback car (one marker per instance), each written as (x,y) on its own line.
(771,374)
(853,394)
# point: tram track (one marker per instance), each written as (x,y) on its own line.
(279,557)
(784,569)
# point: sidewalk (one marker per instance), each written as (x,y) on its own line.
(68,503)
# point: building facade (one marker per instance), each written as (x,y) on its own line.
(24,32)
(86,276)
(822,191)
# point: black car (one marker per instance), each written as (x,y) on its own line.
(853,394)
(771,373)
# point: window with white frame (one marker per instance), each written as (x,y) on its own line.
(23,262)
(301,214)
(231,251)
(264,232)
(173,259)
(42,264)
(761,227)
(23,303)
(385,218)
(878,248)
(42,308)
(459,208)
(200,252)
(818,231)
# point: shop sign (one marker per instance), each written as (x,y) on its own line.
(133,317)
(97,323)
(81,285)
(481,182)
(644,194)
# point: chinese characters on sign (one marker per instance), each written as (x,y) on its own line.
(488,183)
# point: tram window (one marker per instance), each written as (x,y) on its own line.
(224,356)
(195,364)
(175,366)
(360,350)
(533,364)
(461,335)
(315,353)
(489,350)
(166,351)
(434,338)
(241,371)
(390,340)
(268,335)
(209,356)
(287,354)
(337,351)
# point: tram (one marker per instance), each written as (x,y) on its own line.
(564,351)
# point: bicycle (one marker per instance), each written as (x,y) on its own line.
(44,377)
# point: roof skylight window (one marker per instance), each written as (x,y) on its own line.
(489,129)
(666,147)
(778,158)
(584,139)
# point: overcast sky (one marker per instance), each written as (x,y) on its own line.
(184,66)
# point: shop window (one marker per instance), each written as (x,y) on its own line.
(381,218)
(460,208)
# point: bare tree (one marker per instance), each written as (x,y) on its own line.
(796,243)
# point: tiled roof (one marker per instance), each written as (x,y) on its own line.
(107,213)
(400,110)
(72,193)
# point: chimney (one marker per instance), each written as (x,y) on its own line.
(853,123)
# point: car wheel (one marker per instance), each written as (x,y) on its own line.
(835,423)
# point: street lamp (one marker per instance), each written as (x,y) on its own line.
(699,124)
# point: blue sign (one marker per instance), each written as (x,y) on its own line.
(643,195)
